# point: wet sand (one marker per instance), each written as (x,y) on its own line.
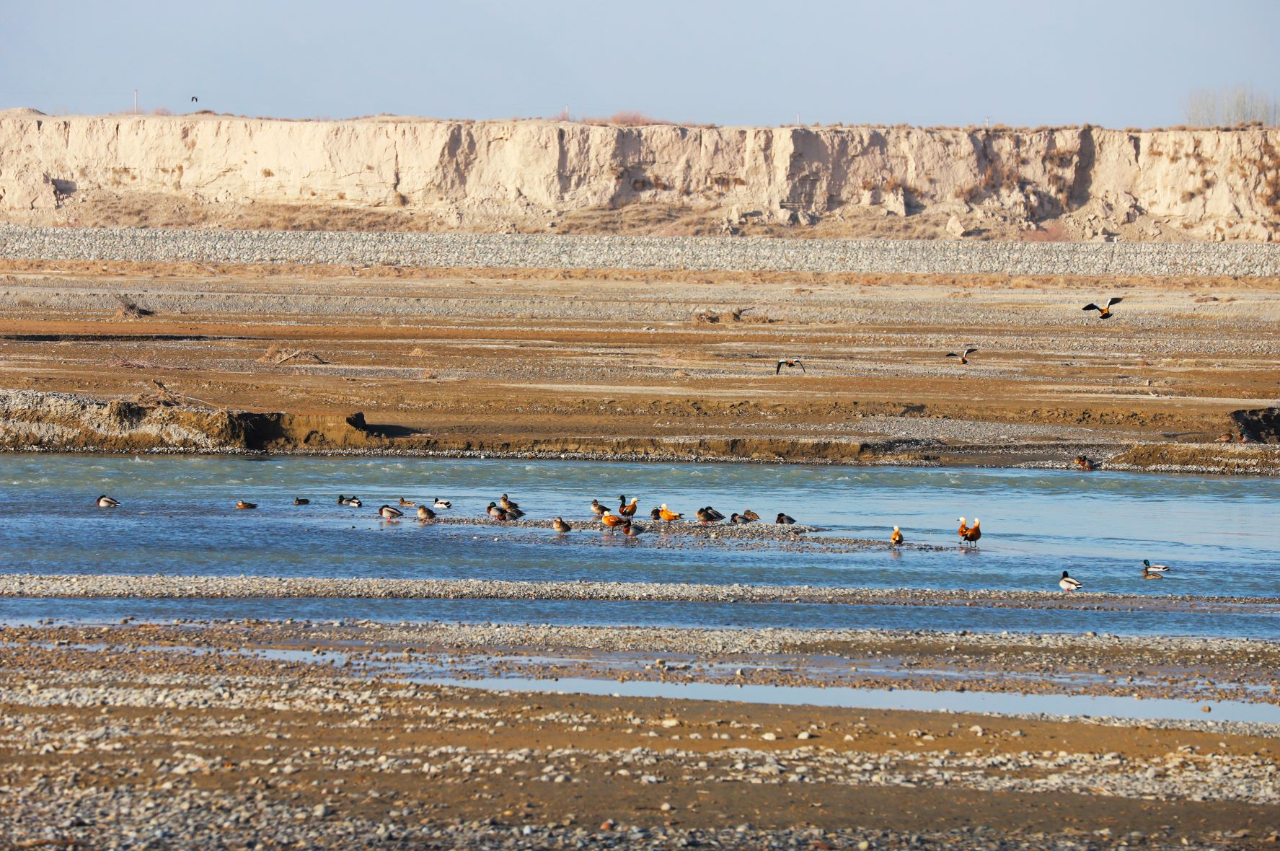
(102,724)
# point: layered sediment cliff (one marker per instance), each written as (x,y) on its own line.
(521,175)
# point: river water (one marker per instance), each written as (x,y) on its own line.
(1220,534)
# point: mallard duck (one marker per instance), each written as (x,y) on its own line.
(442,504)
(1225,437)
(406,503)
(628,509)
(386,512)
(508,503)
(631,531)
(750,515)
(596,508)
(611,520)
(704,516)
(656,514)
(667,514)
(244,506)
(353,501)
(560,526)
(972,534)
(425,513)
(105,501)
(1154,568)
(1085,463)
(1148,573)
(496,512)
(896,538)
(716,516)
(513,513)
(1103,312)
(785,520)
(738,519)
(298,500)
(1066,583)
(963,356)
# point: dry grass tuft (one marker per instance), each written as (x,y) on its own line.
(628,118)
(129,309)
(279,355)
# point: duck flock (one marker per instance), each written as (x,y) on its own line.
(505,509)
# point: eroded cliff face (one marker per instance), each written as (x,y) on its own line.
(1204,184)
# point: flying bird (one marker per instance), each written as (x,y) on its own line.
(1066,583)
(195,99)
(964,356)
(1103,312)
(790,363)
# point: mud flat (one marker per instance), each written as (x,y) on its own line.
(191,745)
(631,364)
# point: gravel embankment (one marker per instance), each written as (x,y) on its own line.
(631,252)
(240,587)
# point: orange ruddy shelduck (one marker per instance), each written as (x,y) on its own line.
(667,514)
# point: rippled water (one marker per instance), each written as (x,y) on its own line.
(1220,534)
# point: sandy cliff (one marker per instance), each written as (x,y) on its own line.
(523,175)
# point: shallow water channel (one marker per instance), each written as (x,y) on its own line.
(1220,534)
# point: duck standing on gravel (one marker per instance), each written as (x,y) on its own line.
(750,516)
(631,531)
(386,512)
(705,516)
(656,514)
(425,513)
(560,526)
(785,520)
(610,520)
(496,512)
(667,514)
(508,503)
(596,508)
(1066,583)
(738,519)
(1084,462)
(628,509)
(105,501)
(896,539)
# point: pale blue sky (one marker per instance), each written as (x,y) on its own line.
(1113,63)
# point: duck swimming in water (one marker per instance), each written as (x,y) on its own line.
(896,538)
(406,503)
(425,513)
(298,500)
(353,501)
(105,501)
(1148,567)
(442,504)
(560,526)
(244,506)
(972,534)
(1148,573)
(1066,583)
(386,512)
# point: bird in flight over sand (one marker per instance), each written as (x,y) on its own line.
(1103,312)
(964,356)
(790,363)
